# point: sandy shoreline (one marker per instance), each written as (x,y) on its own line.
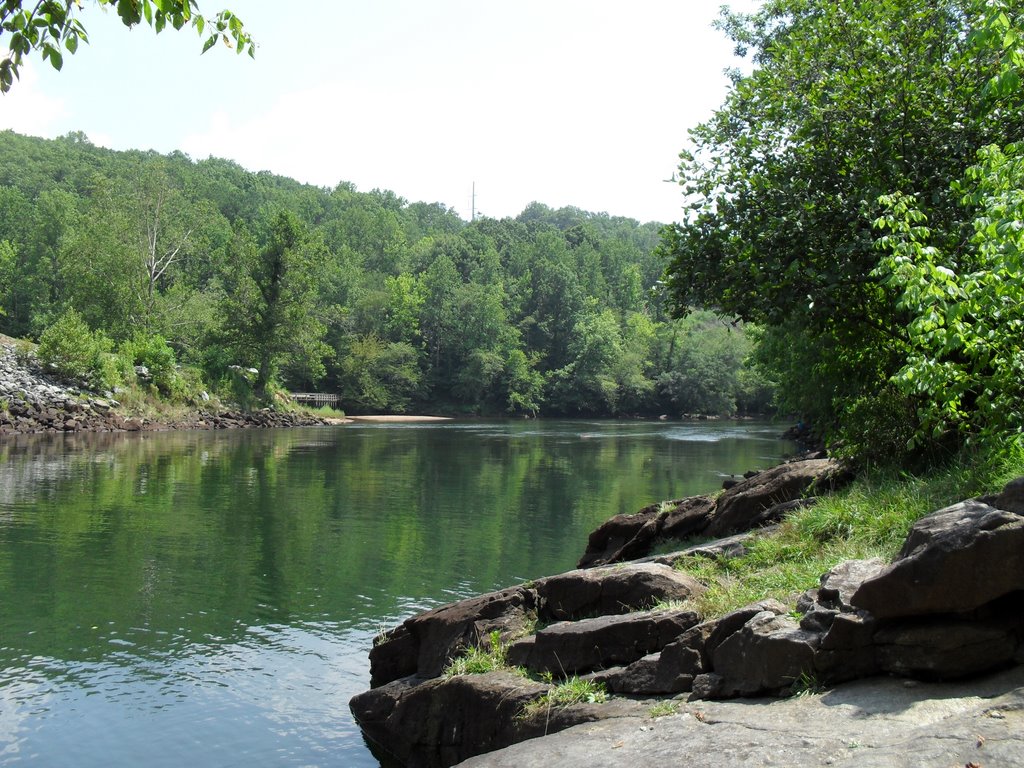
(394,419)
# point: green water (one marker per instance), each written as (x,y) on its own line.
(208,599)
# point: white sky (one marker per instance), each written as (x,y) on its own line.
(567,102)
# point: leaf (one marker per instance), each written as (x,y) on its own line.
(210,42)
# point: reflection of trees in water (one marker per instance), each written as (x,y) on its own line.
(178,540)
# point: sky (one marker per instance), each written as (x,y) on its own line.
(565,102)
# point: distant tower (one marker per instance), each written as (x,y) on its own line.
(472,208)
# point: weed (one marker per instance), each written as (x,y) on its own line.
(807,685)
(663,709)
(573,690)
(479,660)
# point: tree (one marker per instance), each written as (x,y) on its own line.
(271,314)
(52,27)
(849,100)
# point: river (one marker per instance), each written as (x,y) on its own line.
(208,599)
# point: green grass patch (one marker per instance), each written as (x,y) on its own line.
(869,519)
(480,660)
(664,709)
(573,690)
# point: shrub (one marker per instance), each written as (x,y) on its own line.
(71,350)
(152,351)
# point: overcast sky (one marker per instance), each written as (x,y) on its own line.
(567,102)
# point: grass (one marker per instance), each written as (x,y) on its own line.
(869,519)
(323,411)
(480,660)
(572,690)
(664,709)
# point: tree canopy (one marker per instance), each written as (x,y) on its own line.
(53,28)
(255,282)
(848,101)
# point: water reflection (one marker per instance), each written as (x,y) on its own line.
(209,598)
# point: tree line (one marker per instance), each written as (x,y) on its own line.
(245,283)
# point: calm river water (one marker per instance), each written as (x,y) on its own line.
(208,599)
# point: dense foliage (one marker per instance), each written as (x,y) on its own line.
(859,111)
(393,305)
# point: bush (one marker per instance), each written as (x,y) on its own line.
(152,351)
(71,350)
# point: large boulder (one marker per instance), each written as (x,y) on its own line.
(740,507)
(630,537)
(426,643)
(670,670)
(769,654)
(571,647)
(610,590)
(946,649)
(954,561)
(435,723)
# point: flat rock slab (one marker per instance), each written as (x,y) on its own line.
(877,723)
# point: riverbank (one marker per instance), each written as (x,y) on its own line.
(947,606)
(32,402)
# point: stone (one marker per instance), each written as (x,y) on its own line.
(769,654)
(630,537)
(435,637)
(946,649)
(669,672)
(612,589)
(740,506)
(820,606)
(875,723)
(571,647)
(953,561)
(440,722)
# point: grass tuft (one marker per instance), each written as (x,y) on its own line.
(572,690)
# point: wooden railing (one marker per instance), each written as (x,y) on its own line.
(314,398)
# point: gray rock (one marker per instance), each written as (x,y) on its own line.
(880,723)
(741,505)
(442,721)
(435,637)
(670,671)
(767,655)
(954,560)
(945,649)
(571,647)
(630,537)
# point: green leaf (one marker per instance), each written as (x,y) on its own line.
(147,10)
(210,42)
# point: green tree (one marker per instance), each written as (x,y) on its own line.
(53,27)
(271,312)
(847,101)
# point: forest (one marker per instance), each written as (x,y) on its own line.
(246,284)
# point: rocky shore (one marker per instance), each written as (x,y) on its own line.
(33,403)
(949,607)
